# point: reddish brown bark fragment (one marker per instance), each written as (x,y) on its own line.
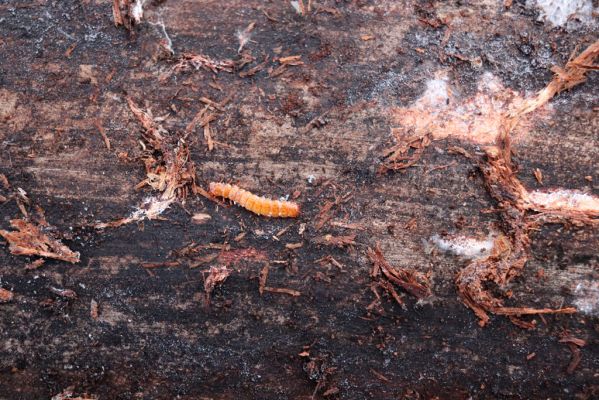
(5,295)
(30,240)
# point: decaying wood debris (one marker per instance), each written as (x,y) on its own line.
(304,97)
(128,12)
(574,344)
(406,153)
(216,276)
(169,169)
(31,239)
(385,275)
(510,256)
(189,61)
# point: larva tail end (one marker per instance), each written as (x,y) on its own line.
(290,210)
(295,211)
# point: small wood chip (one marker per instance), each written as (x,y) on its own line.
(538,175)
(66,293)
(263,278)
(291,292)
(4,181)
(103,133)
(161,264)
(212,103)
(69,51)
(379,375)
(239,237)
(5,296)
(291,60)
(208,137)
(35,264)
(200,218)
(93,312)
(116,13)
(216,276)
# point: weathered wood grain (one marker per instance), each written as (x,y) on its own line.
(154,337)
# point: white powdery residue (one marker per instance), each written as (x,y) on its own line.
(137,10)
(435,95)
(465,247)
(564,199)
(559,11)
(490,83)
(587,297)
(151,208)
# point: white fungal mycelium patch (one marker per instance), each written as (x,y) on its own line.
(151,208)
(586,296)
(443,112)
(436,94)
(466,247)
(564,199)
(558,12)
(137,10)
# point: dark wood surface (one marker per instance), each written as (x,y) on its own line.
(154,336)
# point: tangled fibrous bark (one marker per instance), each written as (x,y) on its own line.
(520,210)
(386,276)
(169,169)
(37,239)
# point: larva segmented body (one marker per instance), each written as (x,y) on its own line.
(257,205)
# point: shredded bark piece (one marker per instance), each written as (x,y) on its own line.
(380,376)
(4,181)
(116,13)
(100,128)
(263,278)
(290,292)
(187,61)
(36,240)
(406,153)
(411,281)
(574,344)
(35,264)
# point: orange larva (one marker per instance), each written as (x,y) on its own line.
(257,205)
